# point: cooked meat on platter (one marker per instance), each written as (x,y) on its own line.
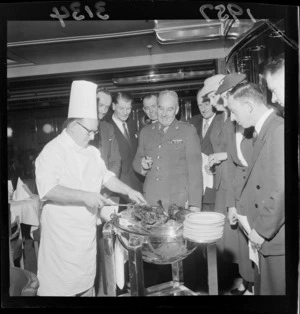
(152,216)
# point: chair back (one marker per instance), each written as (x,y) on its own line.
(22,282)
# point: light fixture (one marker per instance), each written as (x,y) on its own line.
(47,128)
(181,31)
(162,77)
(9,132)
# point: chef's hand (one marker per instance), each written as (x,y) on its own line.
(217,158)
(232,215)
(93,201)
(194,209)
(256,240)
(208,170)
(136,197)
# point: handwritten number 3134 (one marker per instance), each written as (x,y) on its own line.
(75,7)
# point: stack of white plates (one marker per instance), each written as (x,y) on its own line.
(204,227)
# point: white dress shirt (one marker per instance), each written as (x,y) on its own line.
(119,124)
(239,135)
(209,120)
(262,119)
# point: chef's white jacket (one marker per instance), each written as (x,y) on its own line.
(67,255)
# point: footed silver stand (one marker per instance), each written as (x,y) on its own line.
(136,272)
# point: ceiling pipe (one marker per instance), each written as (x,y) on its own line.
(79,38)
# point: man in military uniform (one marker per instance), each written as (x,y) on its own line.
(169,155)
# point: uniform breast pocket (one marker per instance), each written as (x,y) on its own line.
(176,151)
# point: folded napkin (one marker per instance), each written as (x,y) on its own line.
(208,179)
(121,256)
(22,191)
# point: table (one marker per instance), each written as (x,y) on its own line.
(28,211)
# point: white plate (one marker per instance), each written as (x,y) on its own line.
(198,225)
(201,240)
(205,217)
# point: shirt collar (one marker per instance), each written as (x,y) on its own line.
(262,119)
(210,119)
(118,122)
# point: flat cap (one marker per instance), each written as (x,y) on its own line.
(211,84)
(230,81)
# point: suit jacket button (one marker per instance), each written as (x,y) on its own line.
(157,179)
(258,187)
(255,205)
(159,146)
(244,177)
(158,157)
(157,168)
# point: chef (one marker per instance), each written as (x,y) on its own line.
(69,176)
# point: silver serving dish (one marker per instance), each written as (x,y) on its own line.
(163,244)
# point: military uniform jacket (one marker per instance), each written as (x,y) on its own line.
(107,143)
(176,172)
(262,196)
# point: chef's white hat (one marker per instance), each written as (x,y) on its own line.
(83,102)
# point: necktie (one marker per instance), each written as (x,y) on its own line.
(205,128)
(126,134)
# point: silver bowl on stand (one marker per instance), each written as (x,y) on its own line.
(163,244)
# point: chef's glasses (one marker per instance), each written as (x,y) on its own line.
(90,132)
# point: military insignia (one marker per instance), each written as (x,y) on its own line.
(176,141)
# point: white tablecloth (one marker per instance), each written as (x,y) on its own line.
(28,211)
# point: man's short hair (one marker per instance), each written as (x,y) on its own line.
(171,93)
(121,95)
(148,96)
(247,90)
(274,65)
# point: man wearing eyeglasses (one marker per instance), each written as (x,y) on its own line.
(70,174)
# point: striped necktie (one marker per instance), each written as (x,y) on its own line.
(205,128)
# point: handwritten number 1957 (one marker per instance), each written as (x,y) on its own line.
(233,9)
(75,8)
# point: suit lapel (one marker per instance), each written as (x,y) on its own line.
(171,132)
(119,134)
(260,142)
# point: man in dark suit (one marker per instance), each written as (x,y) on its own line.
(262,193)
(150,107)
(106,140)
(205,122)
(125,130)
